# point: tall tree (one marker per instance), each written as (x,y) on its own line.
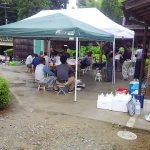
(111,8)
(86,3)
(15,10)
(26,8)
(7,12)
(58,4)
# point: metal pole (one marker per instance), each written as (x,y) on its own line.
(142,61)
(5,15)
(77,44)
(113,76)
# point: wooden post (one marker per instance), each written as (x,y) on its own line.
(101,53)
(142,62)
(148,78)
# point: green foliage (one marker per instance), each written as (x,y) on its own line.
(27,8)
(71,52)
(89,3)
(9,52)
(20,9)
(93,49)
(10,14)
(112,9)
(4,93)
(58,4)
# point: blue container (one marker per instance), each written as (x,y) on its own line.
(133,85)
(140,98)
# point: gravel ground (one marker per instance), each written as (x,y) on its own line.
(45,130)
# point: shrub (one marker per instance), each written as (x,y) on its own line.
(4,93)
(9,52)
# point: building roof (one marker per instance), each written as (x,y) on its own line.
(140,9)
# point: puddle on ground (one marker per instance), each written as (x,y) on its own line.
(29,109)
(16,84)
(6,69)
(24,83)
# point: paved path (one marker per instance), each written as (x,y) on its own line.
(25,90)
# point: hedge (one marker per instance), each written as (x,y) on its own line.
(4,93)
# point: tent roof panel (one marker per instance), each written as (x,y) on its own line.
(55,25)
(93,17)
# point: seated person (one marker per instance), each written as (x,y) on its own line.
(98,64)
(53,59)
(40,74)
(65,53)
(28,62)
(86,61)
(65,75)
(35,61)
(47,59)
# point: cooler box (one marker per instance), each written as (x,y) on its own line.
(120,105)
(104,104)
(122,90)
(133,85)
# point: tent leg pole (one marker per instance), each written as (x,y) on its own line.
(48,47)
(113,76)
(79,48)
(132,48)
(77,44)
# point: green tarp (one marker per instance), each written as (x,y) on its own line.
(54,26)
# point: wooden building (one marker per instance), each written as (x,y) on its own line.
(140,11)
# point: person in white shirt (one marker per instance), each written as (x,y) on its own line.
(47,59)
(41,73)
(29,62)
(118,56)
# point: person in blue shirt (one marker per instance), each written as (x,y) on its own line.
(86,61)
(65,75)
(35,61)
(41,73)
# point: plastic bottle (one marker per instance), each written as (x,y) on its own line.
(134,99)
(137,108)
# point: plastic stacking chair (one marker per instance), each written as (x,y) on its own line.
(98,76)
(41,86)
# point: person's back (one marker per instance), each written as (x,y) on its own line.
(62,72)
(29,60)
(36,61)
(39,74)
(86,61)
(139,53)
(47,59)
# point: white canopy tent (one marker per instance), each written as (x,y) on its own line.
(95,18)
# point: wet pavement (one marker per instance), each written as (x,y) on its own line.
(47,121)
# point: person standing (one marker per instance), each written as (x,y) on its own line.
(138,56)
(109,64)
